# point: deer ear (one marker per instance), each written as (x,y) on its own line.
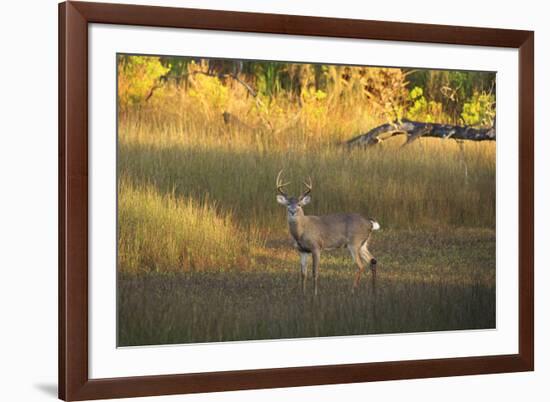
(281,199)
(305,200)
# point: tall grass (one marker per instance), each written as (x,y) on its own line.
(204,250)
(180,147)
(433,180)
(163,233)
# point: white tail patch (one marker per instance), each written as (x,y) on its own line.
(375,225)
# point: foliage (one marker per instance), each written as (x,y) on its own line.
(479,110)
(138,76)
(451,88)
(424,110)
(178,66)
(210,92)
(386,90)
(456,97)
(268,82)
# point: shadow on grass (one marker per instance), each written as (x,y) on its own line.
(215,307)
(400,190)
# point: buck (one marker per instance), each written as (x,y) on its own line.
(313,234)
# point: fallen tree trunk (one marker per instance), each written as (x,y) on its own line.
(416,129)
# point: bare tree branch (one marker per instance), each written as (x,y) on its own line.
(415,129)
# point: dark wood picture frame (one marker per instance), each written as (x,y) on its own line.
(74,382)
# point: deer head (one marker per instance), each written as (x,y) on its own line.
(293,204)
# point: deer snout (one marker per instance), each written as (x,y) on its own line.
(292,212)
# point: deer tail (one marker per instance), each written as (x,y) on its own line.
(375,224)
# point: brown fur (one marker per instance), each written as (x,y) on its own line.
(313,234)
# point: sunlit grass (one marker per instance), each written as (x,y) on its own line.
(428,184)
(163,233)
(204,252)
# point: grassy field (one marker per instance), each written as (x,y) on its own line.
(204,253)
(426,281)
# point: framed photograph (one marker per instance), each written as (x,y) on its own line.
(259,200)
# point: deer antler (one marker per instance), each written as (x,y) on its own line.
(281,185)
(309,186)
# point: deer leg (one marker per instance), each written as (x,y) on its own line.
(316,254)
(355,254)
(366,255)
(368,258)
(303,267)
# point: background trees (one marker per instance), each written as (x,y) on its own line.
(433,96)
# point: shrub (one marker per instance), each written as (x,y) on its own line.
(422,109)
(138,76)
(479,110)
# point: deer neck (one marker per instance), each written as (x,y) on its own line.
(296,226)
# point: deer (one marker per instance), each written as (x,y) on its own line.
(313,234)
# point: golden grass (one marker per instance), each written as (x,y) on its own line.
(161,232)
(179,150)
(197,194)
